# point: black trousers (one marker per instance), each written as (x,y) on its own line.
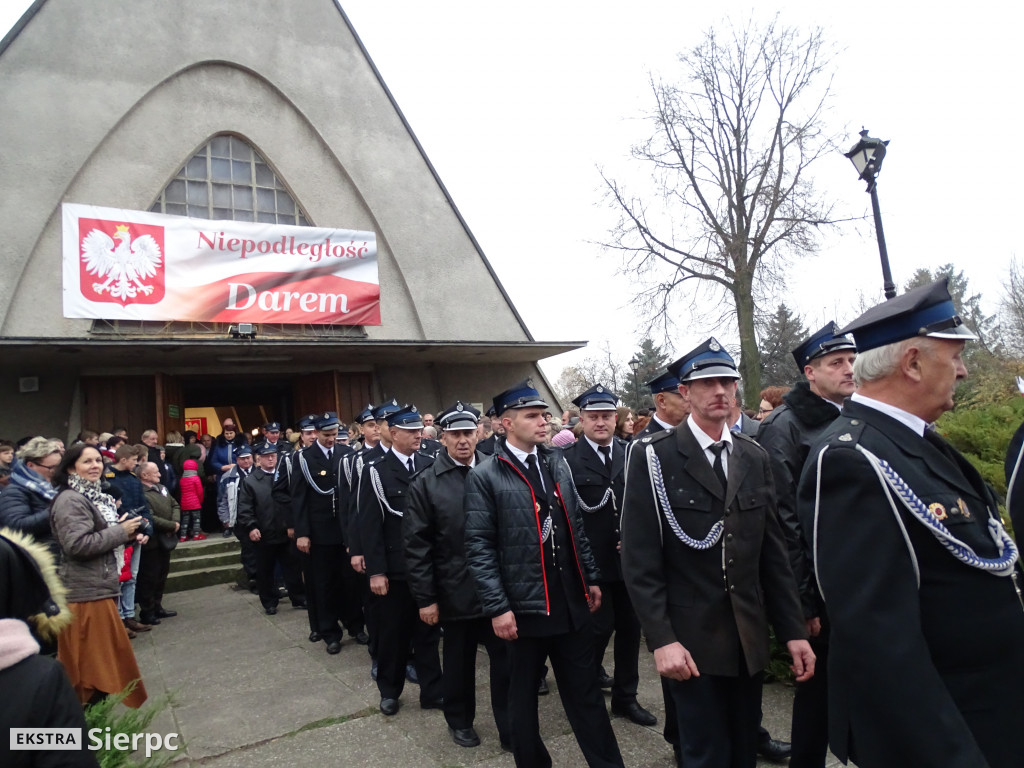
(616,615)
(572,659)
(352,601)
(248,553)
(154,565)
(306,569)
(458,680)
(268,557)
(810,712)
(326,562)
(718,719)
(398,621)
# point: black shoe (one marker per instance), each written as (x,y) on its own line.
(432,703)
(163,613)
(774,750)
(300,605)
(389,706)
(314,637)
(334,647)
(361,637)
(228,533)
(465,737)
(270,609)
(410,674)
(149,618)
(636,713)
(605,680)
(542,689)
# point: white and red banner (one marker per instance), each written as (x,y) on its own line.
(133,265)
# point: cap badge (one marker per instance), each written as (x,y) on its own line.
(938,510)
(600,388)
(460,408)
(714,346)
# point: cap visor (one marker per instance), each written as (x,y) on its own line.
(714,372)
(959,333)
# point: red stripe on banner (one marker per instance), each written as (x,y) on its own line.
(272,297)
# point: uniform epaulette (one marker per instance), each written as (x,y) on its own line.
(658,436)
(750,440)
(846,431)
(374,461)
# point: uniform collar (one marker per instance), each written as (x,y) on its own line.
(915,423)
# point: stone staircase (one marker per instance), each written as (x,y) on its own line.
(197,564)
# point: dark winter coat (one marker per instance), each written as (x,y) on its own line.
(257,509)
(592,480)
(434,529)
(164,510)
(503,534)
(23,510)
(788,434)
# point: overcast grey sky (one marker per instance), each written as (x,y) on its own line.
(517,106)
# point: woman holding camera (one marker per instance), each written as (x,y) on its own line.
(95,649)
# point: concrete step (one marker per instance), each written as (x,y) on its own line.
(199,562)
(196,564)
(182,581)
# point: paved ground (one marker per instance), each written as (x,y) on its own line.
(252,691)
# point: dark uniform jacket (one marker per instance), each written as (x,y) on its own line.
(257,510)
(380,519)
(1014,483)
(592,480)
(926,666)
(434,528)
(314,509)
(364,456)
(488,445)
(788,434)
(503,535)
(681,594)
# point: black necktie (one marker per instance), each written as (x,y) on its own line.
(717,448)
(606,454)
(330,455)
(409,465)
(533,475)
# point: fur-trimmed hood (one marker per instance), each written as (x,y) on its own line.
(30,588)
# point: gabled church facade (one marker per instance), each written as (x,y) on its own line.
(246,110)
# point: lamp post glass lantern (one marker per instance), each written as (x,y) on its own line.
(867,156)
(634,366)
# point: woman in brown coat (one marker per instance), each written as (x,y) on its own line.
(95,649)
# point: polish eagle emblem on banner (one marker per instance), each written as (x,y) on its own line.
(128,271)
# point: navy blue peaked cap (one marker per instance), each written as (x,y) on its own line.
(382,411)
(406,418)
(708,361)
(924,311)
(521,395)
(365,415)
(664,382)
(327,420)
(597,398)
(822,342)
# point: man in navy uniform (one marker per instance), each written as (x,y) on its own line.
(807,410)
(706,565)
(598,466)
(487,445)
(383,500)
(669,406)
(434,527)
(317,523)
(537,580)
(926,656)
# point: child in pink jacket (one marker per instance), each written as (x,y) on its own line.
(191,501)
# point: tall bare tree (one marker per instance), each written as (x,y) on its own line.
(730,157)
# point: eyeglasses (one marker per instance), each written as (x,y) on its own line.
(48,466)
(763,411)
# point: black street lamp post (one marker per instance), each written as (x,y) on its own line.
(867,158)
(634,366)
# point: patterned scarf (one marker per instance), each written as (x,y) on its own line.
(94,493)
(32,481)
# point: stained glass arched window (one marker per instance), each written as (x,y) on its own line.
(229,179)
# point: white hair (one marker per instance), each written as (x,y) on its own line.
(882,362)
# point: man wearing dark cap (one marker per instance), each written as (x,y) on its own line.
(807,410)
(383,500)
(263,521)
(317,523)
(537,580)
(272,436)
(434,528)
(669,406)
(598,466)
(926,657)
(706,565)
(488,445)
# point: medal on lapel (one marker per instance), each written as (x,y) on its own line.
(938,510)
(323,472)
